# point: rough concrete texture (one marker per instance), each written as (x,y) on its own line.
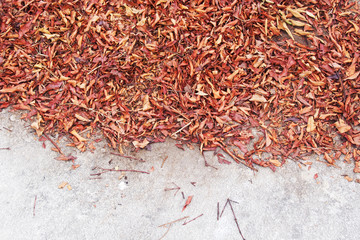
(288,204)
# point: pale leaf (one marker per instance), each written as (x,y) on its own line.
(258,98)
(311,124)
(342,126)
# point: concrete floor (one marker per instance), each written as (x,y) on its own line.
(288,204)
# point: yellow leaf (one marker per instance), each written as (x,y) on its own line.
(302,33)
(296,13)
(296,23)
(285,27)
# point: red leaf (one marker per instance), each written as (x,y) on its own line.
(222,159)
(188,201)
(24,29)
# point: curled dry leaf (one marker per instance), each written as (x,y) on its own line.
(141,144)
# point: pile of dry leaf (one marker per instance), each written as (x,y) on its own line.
(203,71)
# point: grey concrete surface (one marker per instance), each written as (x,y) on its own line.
(288,204)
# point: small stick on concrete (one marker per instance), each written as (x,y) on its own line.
(34,205)
(170,223)
(129,157)
(224,208)
(56,146)
(207,164)
(186,222)
(218,211)
(7,129)
(237,224)
(5,148)
(170,189)
(168,229)
(162,164)
(105,170)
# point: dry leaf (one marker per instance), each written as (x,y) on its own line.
(142,144)
(328,158)
(146,103)
(188,201)
(311,124)
(80,138)
(349,179)
(275,162)
(62,185)
(258,98)
(342,126)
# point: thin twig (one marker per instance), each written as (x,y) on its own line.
(93,69)
(162,164)
(193,219)
(237,224)
(218,211)
(182,128)
(207,164)
(34,205)
(168,229)
(26,5)
(170,223)
(224,208)
(129,157)
(170,189)
(5,148)
(342,86)
(105,170)
(7,129)
(56,146)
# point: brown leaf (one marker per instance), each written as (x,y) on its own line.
(24,29)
